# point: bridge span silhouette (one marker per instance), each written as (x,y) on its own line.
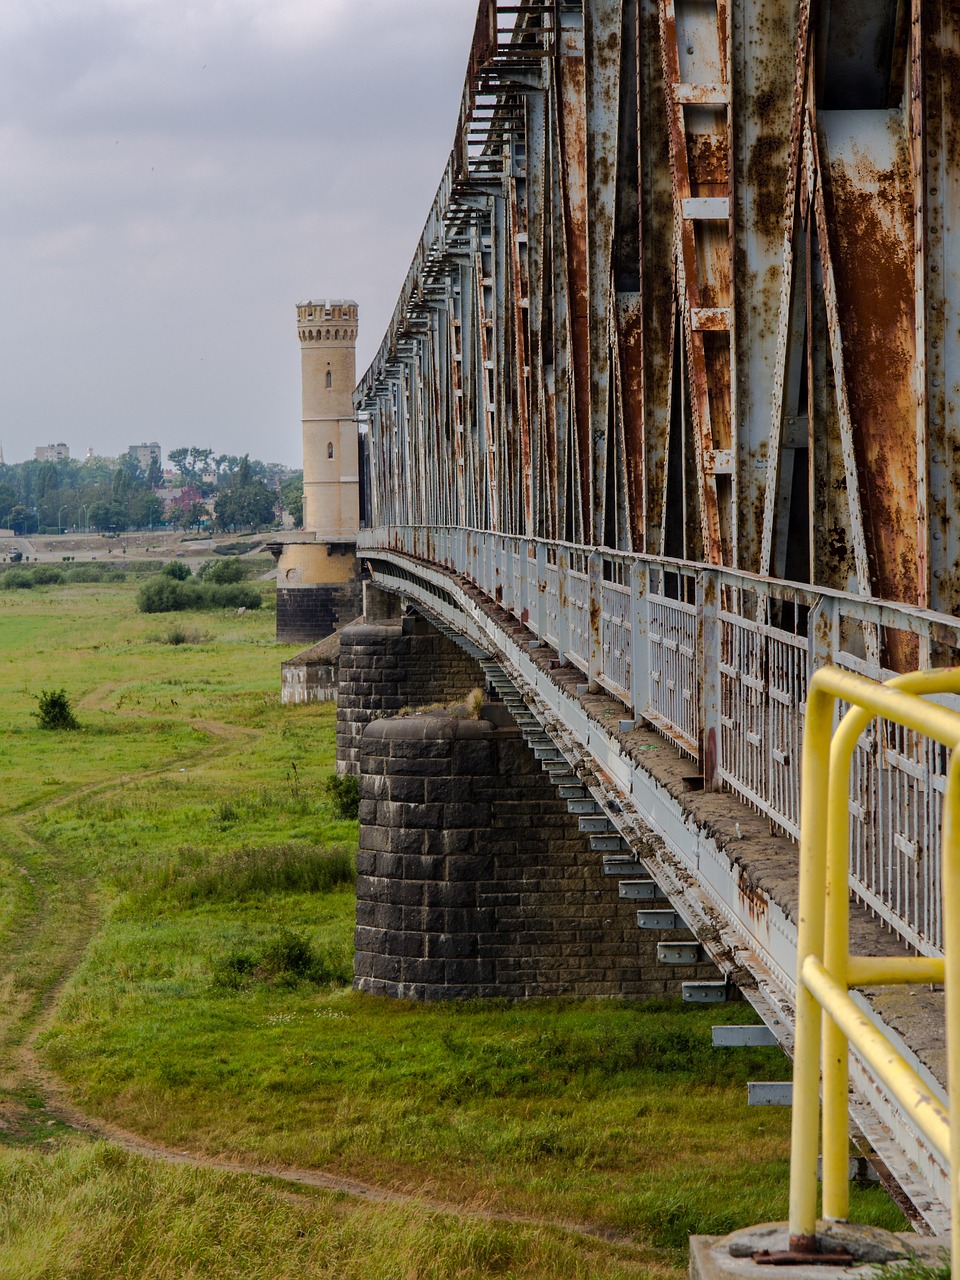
(667,418)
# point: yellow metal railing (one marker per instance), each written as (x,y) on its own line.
(828,1020)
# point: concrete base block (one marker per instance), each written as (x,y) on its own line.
(731,1257)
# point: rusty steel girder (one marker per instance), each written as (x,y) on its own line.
(689,287)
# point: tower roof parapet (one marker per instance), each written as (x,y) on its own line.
(328,303)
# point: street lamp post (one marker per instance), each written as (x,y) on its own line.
(59,514)
(83,507)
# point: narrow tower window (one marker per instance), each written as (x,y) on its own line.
(330,450)
(329,378)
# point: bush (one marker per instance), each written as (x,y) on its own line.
(345,795)
(177,569)
(54,710)
(84,573)
(47,575)
(222,572)
(286,961)
(17,579)
(166,595)
(177,634)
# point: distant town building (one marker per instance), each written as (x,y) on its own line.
(145,453)
(52,452)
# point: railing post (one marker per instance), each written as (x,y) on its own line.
(563,603)
(823,635)
(595,616)
(639,640)
(708,664)
(541,598)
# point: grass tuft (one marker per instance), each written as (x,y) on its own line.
(242,874)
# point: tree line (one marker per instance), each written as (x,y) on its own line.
(117,494)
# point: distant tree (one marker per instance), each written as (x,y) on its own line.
(20,517)
(200,461)
(101,516)
(245,501)
(177,569)
(155,474)
(291,492)
(181,460)
(192,514)
(144,508)
(47,479)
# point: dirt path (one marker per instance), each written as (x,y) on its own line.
(60,1106)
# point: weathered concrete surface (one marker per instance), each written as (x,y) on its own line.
(731,1257)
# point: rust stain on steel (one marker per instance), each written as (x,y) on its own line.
(573,154)
(629,337)
(709,163)
(520,301)
(753,897)
(873,259)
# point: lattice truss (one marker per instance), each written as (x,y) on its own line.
(690,287)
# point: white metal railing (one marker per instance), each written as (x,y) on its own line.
(720,662)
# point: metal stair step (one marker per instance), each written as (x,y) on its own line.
(571,791)
(660,919)
(705,992)
(680,953)
(641,890)
(595,826)
(617,864)
(741,1037)
(586,805)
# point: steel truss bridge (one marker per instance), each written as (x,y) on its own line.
(668,416)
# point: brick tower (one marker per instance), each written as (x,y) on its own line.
(317,579)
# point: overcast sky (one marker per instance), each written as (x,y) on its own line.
(177,175)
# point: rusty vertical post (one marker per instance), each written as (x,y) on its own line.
(595,613)
(639,640)
(540,604)
(563,604)
(709,642)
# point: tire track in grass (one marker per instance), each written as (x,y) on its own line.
(62,1109)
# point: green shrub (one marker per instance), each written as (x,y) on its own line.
(47,575)
(286,961)
(238,595)
(222,572)
(54,710)
(177,634)
(85,573)
(177,569)
(166,595)
(234,971)
(17,579)
(345,795)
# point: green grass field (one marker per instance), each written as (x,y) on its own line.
(176,913)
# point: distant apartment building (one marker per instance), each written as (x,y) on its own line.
(145,453)
(52,452)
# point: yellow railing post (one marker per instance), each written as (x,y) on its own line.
(825,968)
(951,925)
(805,1121)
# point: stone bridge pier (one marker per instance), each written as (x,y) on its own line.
(475,879)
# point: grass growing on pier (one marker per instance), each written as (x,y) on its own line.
(176,915)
